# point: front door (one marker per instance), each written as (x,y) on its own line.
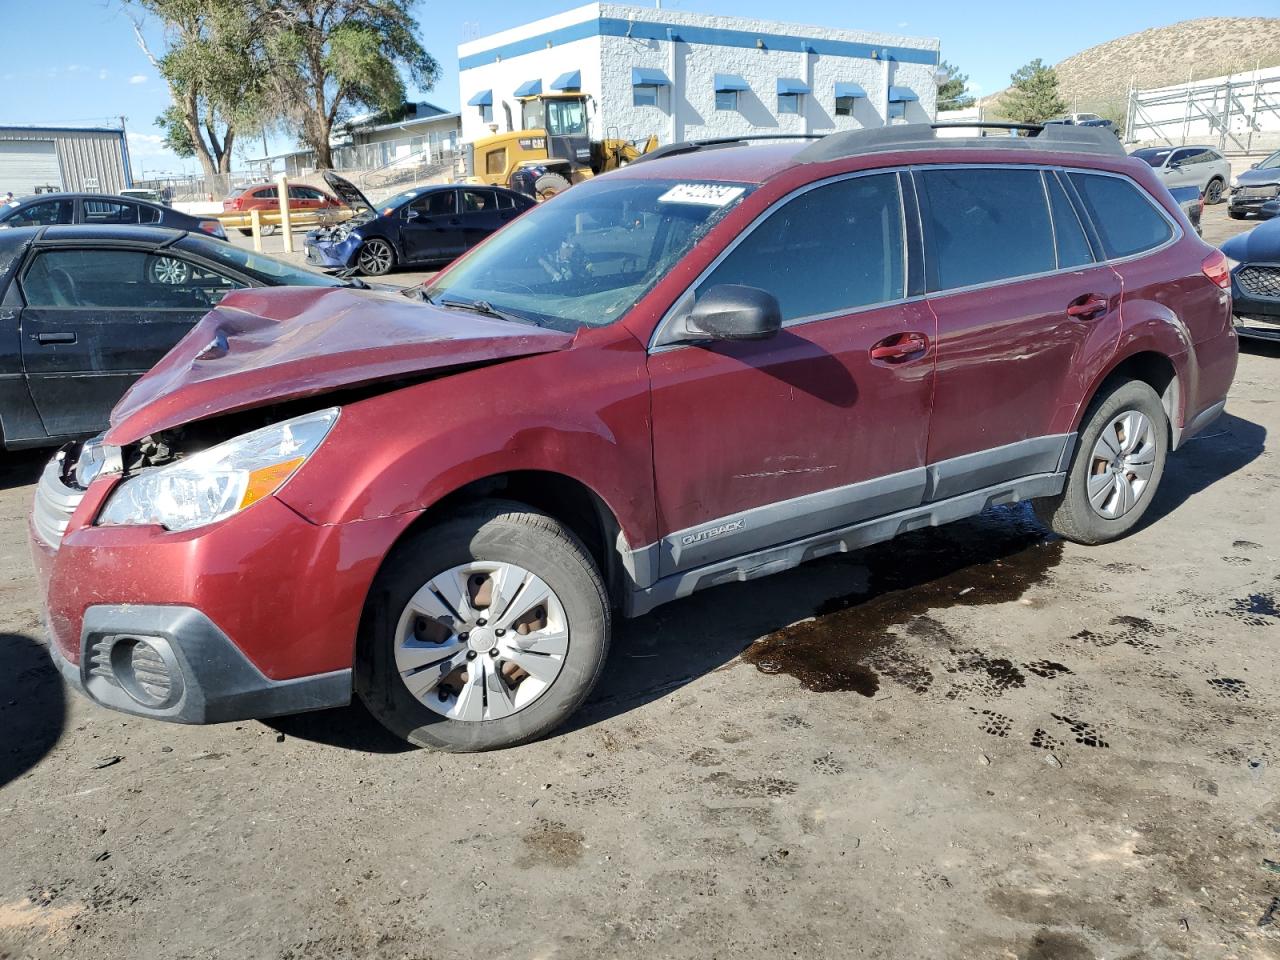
(759,443)
(1023,323)
(432,229)
(96,319)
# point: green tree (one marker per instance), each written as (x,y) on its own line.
(1034,94)
(953,93)
(213,64)
(330,56)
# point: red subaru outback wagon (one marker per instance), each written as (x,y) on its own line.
(714,364)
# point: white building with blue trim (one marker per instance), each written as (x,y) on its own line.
(686,76)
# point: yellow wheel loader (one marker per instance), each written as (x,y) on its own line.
(552,150)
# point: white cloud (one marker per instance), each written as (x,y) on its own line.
(103,74)
(138,78)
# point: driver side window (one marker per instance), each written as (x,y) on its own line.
(41,214)
(830,250)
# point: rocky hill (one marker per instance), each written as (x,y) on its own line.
(1098,79)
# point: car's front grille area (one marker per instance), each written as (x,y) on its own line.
(55,503)
(1259,281)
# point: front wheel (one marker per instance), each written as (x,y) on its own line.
(483,632)
(376,258)
(1116,468)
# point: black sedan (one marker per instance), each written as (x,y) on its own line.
(102,209)
(85,311)
(425,225)
(1255,280)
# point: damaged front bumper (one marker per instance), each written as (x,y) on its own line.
(324,251)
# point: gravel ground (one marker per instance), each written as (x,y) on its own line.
(975,742)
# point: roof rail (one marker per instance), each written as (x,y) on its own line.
(924,136)
(693,146)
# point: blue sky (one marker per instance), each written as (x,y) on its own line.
(90,70)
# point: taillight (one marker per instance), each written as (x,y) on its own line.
(1217,269)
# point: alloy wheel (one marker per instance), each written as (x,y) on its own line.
(1121,465)
(1214,192)
(481,641)
(170,271)
(375,257)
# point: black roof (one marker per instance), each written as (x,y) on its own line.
(72,233)
(67,195)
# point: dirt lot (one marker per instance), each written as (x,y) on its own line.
(977,742)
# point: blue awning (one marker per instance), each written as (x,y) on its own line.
(530,88)
(645,77)
(568,81)
(902,95)
(850,90)
(786,85)
(482,99)
(730,82)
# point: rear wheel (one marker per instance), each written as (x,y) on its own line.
(376,257)
(549,184)
(1213,192)
(1237,214)
(1118,462)
(484,632)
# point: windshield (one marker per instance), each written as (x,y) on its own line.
(1271,163)
(586,257)
(1155,158)
(265,268)
(566,118)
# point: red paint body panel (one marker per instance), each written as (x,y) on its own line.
(290,342)
(289,593)
(1012,347)
(739,425)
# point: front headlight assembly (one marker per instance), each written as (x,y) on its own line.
(221,481)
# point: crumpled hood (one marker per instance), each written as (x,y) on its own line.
(1262,243)
(269,345)
(1258,178)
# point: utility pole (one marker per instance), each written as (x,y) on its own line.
(124,147)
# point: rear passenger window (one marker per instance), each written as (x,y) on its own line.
(985,225)
(1126,220)
(1073,247)
(148,215)
(829,250)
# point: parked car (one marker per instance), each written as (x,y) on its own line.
(714,364)
(1255,280)
(1201,167)
(423,225)
(1253,189)
(266,196)
(1191,200)
(143,193)
(1082,120)
(101,209)
(86,310)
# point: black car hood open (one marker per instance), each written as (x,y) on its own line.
(348,193)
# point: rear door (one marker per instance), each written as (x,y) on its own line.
(94,319)
(757,443)
(431,228)
(1026,315)
(480,214)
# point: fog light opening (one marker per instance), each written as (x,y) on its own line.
(144,672)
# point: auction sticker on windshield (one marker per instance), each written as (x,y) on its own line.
(704,194)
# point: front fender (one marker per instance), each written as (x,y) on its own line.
(581,412)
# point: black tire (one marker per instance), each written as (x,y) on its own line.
(1070,514)
(245,232)
(376,257)
(549,184)
(1214,191)
(1237,214)
(498,530)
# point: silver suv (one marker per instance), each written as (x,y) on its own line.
(1201,167)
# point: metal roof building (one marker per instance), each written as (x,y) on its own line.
(63,158)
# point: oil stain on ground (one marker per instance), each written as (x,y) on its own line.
(992,558)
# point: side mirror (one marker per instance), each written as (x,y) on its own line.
(412,215)
(730,311)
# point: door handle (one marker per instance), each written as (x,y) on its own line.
(1088,307)
(54,337)
(900,346)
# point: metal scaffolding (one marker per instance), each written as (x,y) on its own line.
(1240,112)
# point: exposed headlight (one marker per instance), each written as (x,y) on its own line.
(1235,181)
(96,458)
(220,481)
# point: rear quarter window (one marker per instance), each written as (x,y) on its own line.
(1126,219)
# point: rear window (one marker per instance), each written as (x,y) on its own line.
(1127,221)
(985,224)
